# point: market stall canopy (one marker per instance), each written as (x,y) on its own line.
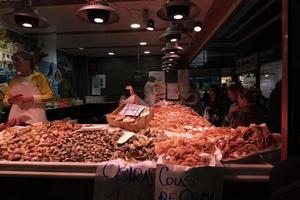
(79,37)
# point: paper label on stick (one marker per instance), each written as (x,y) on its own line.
(127,135)
(132,109)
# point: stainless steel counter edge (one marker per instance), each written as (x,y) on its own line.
(233,172)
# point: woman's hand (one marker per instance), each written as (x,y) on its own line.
(13,122)
(20,98)
(14,99)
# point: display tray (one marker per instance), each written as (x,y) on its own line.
(246,172)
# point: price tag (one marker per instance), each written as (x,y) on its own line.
(185,183)
(120,180)
(127,135)
(132,109)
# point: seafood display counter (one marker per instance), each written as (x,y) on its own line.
(61,151)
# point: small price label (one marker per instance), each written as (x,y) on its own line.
(132,110)
(127,135)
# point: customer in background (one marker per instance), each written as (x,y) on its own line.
(150,90)
(274,109)
(226,102)
(212,111)
(233,92)
(205,99)
(248,112)
(27,92)
(191,99)
(129,96)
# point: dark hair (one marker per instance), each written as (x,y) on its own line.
(193,85)
(235,88)
(215,89)
(151,79)
(126,93)
(25,56)
(249,94)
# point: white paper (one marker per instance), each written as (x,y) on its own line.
(120,180)
(132,109)
(94,127)
(96,89)
(185,183)
(101,78)
(127,135)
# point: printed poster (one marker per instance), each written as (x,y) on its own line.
(172,91)
(160,78)
(183,81)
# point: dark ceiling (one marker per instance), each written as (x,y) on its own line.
(254,27)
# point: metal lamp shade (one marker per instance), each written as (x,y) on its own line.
(188,10)
(171,47)
(107,13)
(171,31)
(171,56)
(16,18)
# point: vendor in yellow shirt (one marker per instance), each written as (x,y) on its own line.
(27,92)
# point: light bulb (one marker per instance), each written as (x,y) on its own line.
(143,43)
(98,20)
(27,25)
(135,25)
(197,28)
(178,16)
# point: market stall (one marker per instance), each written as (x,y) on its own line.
(175,136)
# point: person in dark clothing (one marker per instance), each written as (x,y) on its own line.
(205,98)
(212,112)
(233,92)
(225,100)
(274,109)
(248,112)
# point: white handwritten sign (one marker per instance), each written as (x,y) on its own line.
(119,180)
(132,109)
(175,182)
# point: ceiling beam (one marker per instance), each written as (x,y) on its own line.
(258,12)
(125,46)
(220,11)
(95,32)
(258,29)
(42,3)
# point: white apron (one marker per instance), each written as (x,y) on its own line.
(27,112)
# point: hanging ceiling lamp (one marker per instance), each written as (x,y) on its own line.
(171,48)
(150,25)
(25,16)
(198,26)
(170,63)
(98,12)
(176,10)
(167,68)
(170,57)
(172,34)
